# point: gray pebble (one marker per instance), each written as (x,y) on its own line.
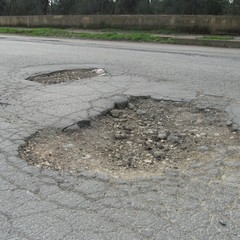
(174,138)
(159,154)
(148,145)
(229,123)
(235,127)
(115,113)
(131,106)
(120,136)
(129,127)
(162,136)
(141,112)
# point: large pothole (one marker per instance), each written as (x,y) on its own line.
(66,75)
(141,139)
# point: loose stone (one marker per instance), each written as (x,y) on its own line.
(223,223)
(162,136)
(115,113)
(120,136)
(131,106)
(148,144)
(174,138)
(159,155)
(98,71)
(229,123)
(141,112)
(129,127)
(148,161)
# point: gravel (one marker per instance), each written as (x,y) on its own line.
(145,137)
(66,75)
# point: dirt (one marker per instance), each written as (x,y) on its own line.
(143,138)
(66,76)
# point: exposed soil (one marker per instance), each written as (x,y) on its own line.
(66,76)
(143,138)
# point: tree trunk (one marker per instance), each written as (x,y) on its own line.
(44,6)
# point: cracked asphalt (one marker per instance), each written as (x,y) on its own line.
(44,204)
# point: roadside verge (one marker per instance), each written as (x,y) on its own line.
(134,36)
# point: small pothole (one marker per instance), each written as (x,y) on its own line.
(67,75)
(145,137)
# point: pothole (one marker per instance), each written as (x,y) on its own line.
(67,75)
(142,138)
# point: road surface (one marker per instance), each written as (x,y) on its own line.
(44,204)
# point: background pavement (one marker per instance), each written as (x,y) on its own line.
(44,204)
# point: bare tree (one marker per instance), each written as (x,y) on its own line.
(2,7)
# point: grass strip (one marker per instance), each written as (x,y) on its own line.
(150,31)
(217,37)
(54,32)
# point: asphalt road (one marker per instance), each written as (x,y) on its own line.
(43,204)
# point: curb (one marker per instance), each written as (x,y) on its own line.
(210,43)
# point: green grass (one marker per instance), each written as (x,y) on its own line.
(106,34)
(217,37)
(54,32)
(156,31)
